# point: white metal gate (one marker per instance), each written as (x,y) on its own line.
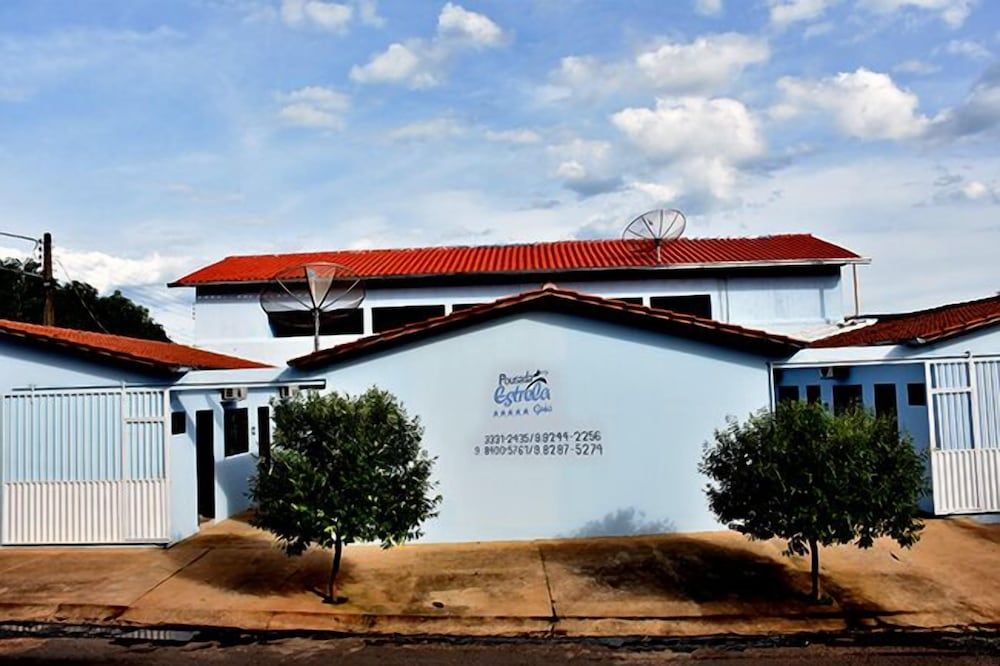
(964,412)
(84,467)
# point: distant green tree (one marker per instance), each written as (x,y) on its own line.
(814,479)
(343,469)
(77,304)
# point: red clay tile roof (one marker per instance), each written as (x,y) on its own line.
(553,257)
(130,351)
(552,299)
(920,327)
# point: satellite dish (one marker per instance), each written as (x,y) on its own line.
(316,288)
(659,226)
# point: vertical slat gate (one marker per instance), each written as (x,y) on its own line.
(83,467)
(965,421)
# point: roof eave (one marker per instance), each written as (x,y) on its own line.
(714,265)
(555,301)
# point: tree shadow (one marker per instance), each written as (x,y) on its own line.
(236,558)
(680,567)
(726,578)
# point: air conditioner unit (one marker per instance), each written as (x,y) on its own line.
(288,392)
(234,394)
(833,372)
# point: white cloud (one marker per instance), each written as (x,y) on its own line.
(327,16)
(975,189)
(106,271)
(817,29)
(705,141)
(586,166)
(916,67)
(368,13)
(708,7)
(952,12)
(864,104)
(477,29)
(707,63)
(414,65)
(967,48)
(979,112)
(658,193)
(517,135)
(314,106)
(690,127)
(428,130)
(421,63)
(783,13)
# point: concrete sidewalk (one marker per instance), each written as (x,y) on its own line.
(231,575)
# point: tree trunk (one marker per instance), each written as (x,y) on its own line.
(814,551)
(331,586)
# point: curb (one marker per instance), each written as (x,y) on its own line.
(456,626)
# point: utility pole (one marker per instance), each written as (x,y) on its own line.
(49,309)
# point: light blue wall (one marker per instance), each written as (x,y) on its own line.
(23,365)
(912,419)
(235,324)
(655,399)
(231,473)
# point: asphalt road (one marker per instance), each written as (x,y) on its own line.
(308,651)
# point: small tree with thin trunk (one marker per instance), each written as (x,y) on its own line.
(815,479)
(343,469)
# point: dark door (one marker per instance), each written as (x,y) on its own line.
(204,425)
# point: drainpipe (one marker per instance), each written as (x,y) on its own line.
(857,293)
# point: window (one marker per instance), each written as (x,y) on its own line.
(813,394)
(916,395)
(463,306)
(699,305)
(336,322)
(264,432)
(386,319)
(846,397)
(236,431)
(885,403)
(178,423)
(788,393)
(885,400)
(634,300)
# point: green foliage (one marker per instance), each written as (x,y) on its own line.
(22,299)
(809,477)
(342,467)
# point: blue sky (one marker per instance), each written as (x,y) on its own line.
(152,137)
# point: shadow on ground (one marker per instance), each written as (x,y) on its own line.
(241,559)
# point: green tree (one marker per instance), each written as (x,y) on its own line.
(815,479)
(343,469)
(77,304)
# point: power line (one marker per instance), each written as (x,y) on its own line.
(79,296)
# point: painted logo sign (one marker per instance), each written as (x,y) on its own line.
(525,394)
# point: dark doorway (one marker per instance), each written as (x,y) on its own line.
(204,426)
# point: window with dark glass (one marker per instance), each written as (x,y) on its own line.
(633,300)
(813,394)
(885,400)
(846,397)
(386,319)
(463,306)
(916,395)
(236,431)
(264,432)
(788,393)
(335,322)
(699,305)
(178,423)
